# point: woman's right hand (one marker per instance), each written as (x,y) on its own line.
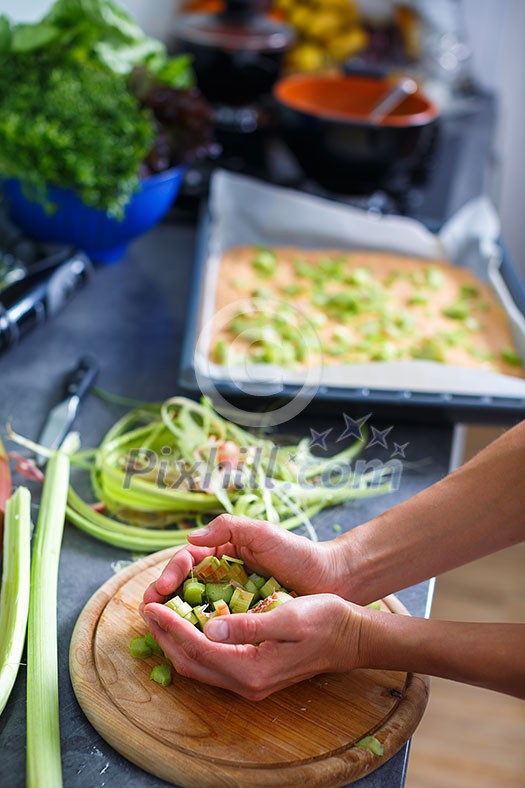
(296,562)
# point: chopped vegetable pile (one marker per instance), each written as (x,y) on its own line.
(215,587)
(80,105)
(218,587)
(297,308)
(163,468)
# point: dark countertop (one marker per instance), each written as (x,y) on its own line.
(131,316)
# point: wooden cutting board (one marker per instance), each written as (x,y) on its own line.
(198,736)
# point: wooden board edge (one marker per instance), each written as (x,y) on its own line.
(340,769)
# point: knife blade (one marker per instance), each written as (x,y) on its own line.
(61,417)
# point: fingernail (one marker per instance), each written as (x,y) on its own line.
(217,629)
(151,617)
(200,532)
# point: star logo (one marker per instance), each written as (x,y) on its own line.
(319,438)
(353,427)
(399,450)
(379,437)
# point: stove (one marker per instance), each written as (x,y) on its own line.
(452,169)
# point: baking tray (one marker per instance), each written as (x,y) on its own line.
(401,402)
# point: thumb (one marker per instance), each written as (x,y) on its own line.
(240,531)
(279,624)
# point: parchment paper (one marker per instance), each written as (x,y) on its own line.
(245,211)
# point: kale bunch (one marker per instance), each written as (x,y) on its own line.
(69,115)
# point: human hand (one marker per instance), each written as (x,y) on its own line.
(297,640)
(297,563)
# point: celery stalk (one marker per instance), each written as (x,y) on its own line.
(14,594)
(43,730)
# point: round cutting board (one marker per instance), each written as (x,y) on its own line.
(198,736)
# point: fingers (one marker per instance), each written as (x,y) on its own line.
(283,624)
(240,669)
(178,568)
(242,532)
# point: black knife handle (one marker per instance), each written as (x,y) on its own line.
(80,380)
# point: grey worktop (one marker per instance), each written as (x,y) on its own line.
(131,316)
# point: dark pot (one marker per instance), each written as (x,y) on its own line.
(324,122)
(237,54)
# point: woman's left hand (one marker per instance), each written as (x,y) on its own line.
(297,640)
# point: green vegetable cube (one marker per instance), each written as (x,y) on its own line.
(178,605)
(139,648)
(257,580)
(216,591)
(161,674)
(511,357)
(252,588)
(370,743)
(154,646)
(201,614)
(456,311)
(205,569)
(269,587)
(193,591)
(221,608)
(241,600)
(265,263)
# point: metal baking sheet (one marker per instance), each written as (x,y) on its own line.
(234,217)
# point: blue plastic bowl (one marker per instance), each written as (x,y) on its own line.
(103,238)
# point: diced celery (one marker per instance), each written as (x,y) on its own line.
(472,324)
(337,349)
(275,599)
(211,570)
(372,744)
(429,349)
(193,591)
(359,276)
(434,278)
(191,617)
(240,601)
(375,605)
(418,298)
(265,263)
(215,591)
(269,587)
(293,289)
(221,608)
(161,674)
(206,567)
(235,572)
(509,355)
(139,648)
(220,352)
(252,588)
(387,351)
(178,605)
(201,614)
(469,291)
(481,353)
(231,560)
(257,580)
(456,311)
(152,643)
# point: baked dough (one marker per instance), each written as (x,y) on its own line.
(363,306)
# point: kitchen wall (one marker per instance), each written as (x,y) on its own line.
(495,30)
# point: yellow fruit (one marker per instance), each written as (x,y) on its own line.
(306,57)
(323,25)
(342,47)
(284,5)
(300,17)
